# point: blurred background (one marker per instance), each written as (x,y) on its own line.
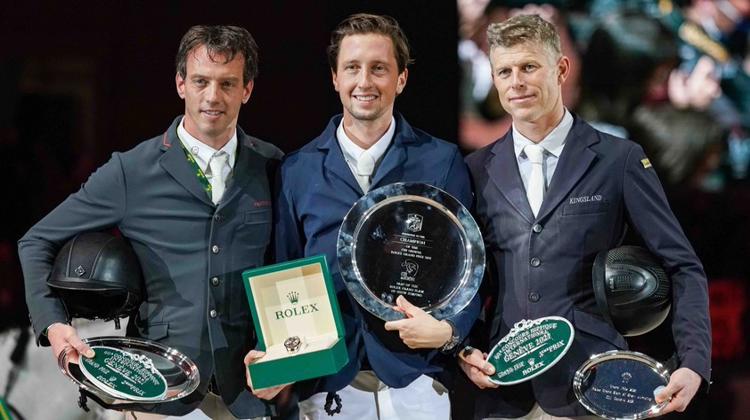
(79,80)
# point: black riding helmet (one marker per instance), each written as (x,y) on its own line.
(632,289)
(97,275)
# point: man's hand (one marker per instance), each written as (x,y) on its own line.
(266,393)
(474,364)
(419,330)
(62,336)
(682,386)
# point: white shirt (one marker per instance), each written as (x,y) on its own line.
(553,144)
(203,152)
(352,152)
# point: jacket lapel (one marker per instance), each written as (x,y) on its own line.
(176,165)
(334,161)
(248,164)
(391,167)
(574,161)
(502,169)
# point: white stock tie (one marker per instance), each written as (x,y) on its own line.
(365,168)
(536,185)
(218,178)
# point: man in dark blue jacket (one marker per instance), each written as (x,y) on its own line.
(551,194)
(368,147)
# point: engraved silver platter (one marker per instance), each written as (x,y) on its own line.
(415,240)
(619,385)
(181,373)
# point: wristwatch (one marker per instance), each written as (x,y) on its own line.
(452,341)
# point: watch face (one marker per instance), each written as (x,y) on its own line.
(453,340)
(451,344)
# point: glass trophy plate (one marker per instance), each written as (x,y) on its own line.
(414,240)
(128,371)
(530,349)
(620,385)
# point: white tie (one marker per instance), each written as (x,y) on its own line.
(365,168)
(218,178)
(536,185)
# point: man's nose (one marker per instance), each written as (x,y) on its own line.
(365,79)
(212,92)
(517,80)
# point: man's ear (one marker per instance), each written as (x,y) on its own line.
(401,83)
(563,69)
(247,91)
(333,78)
(180,85)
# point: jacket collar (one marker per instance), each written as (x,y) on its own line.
(393,159)
(247,164)
(502,169)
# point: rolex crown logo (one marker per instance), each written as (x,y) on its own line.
(293,297)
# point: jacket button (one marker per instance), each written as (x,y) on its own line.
(535,262)
(533,297)
(218,218)
(215,281)
(215,249)
(536,228)
(213,313)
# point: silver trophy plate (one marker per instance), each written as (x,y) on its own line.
(177,370)
(414,240)
(619,385)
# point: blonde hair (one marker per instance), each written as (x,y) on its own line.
(522,29)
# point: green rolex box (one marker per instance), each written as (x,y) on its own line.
(297,322)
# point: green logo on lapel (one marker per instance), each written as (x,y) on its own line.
(530,348)
(124,375)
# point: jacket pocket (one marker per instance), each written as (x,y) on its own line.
(154,331)
(257,217)
(255,229)
(589,207)
(597,327)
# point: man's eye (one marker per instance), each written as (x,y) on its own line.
(503,73)
(529,67)
(227,85)
(200,82)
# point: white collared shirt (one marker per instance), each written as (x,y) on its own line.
(553,144)
(352,151)
(203,152)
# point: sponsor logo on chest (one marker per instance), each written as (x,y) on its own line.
(585,199)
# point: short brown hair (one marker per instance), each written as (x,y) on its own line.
(223,40)
(522,29)
(365,23)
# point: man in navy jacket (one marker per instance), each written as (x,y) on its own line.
(544,225)
(391,366)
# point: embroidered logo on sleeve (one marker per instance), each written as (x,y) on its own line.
(646,163)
